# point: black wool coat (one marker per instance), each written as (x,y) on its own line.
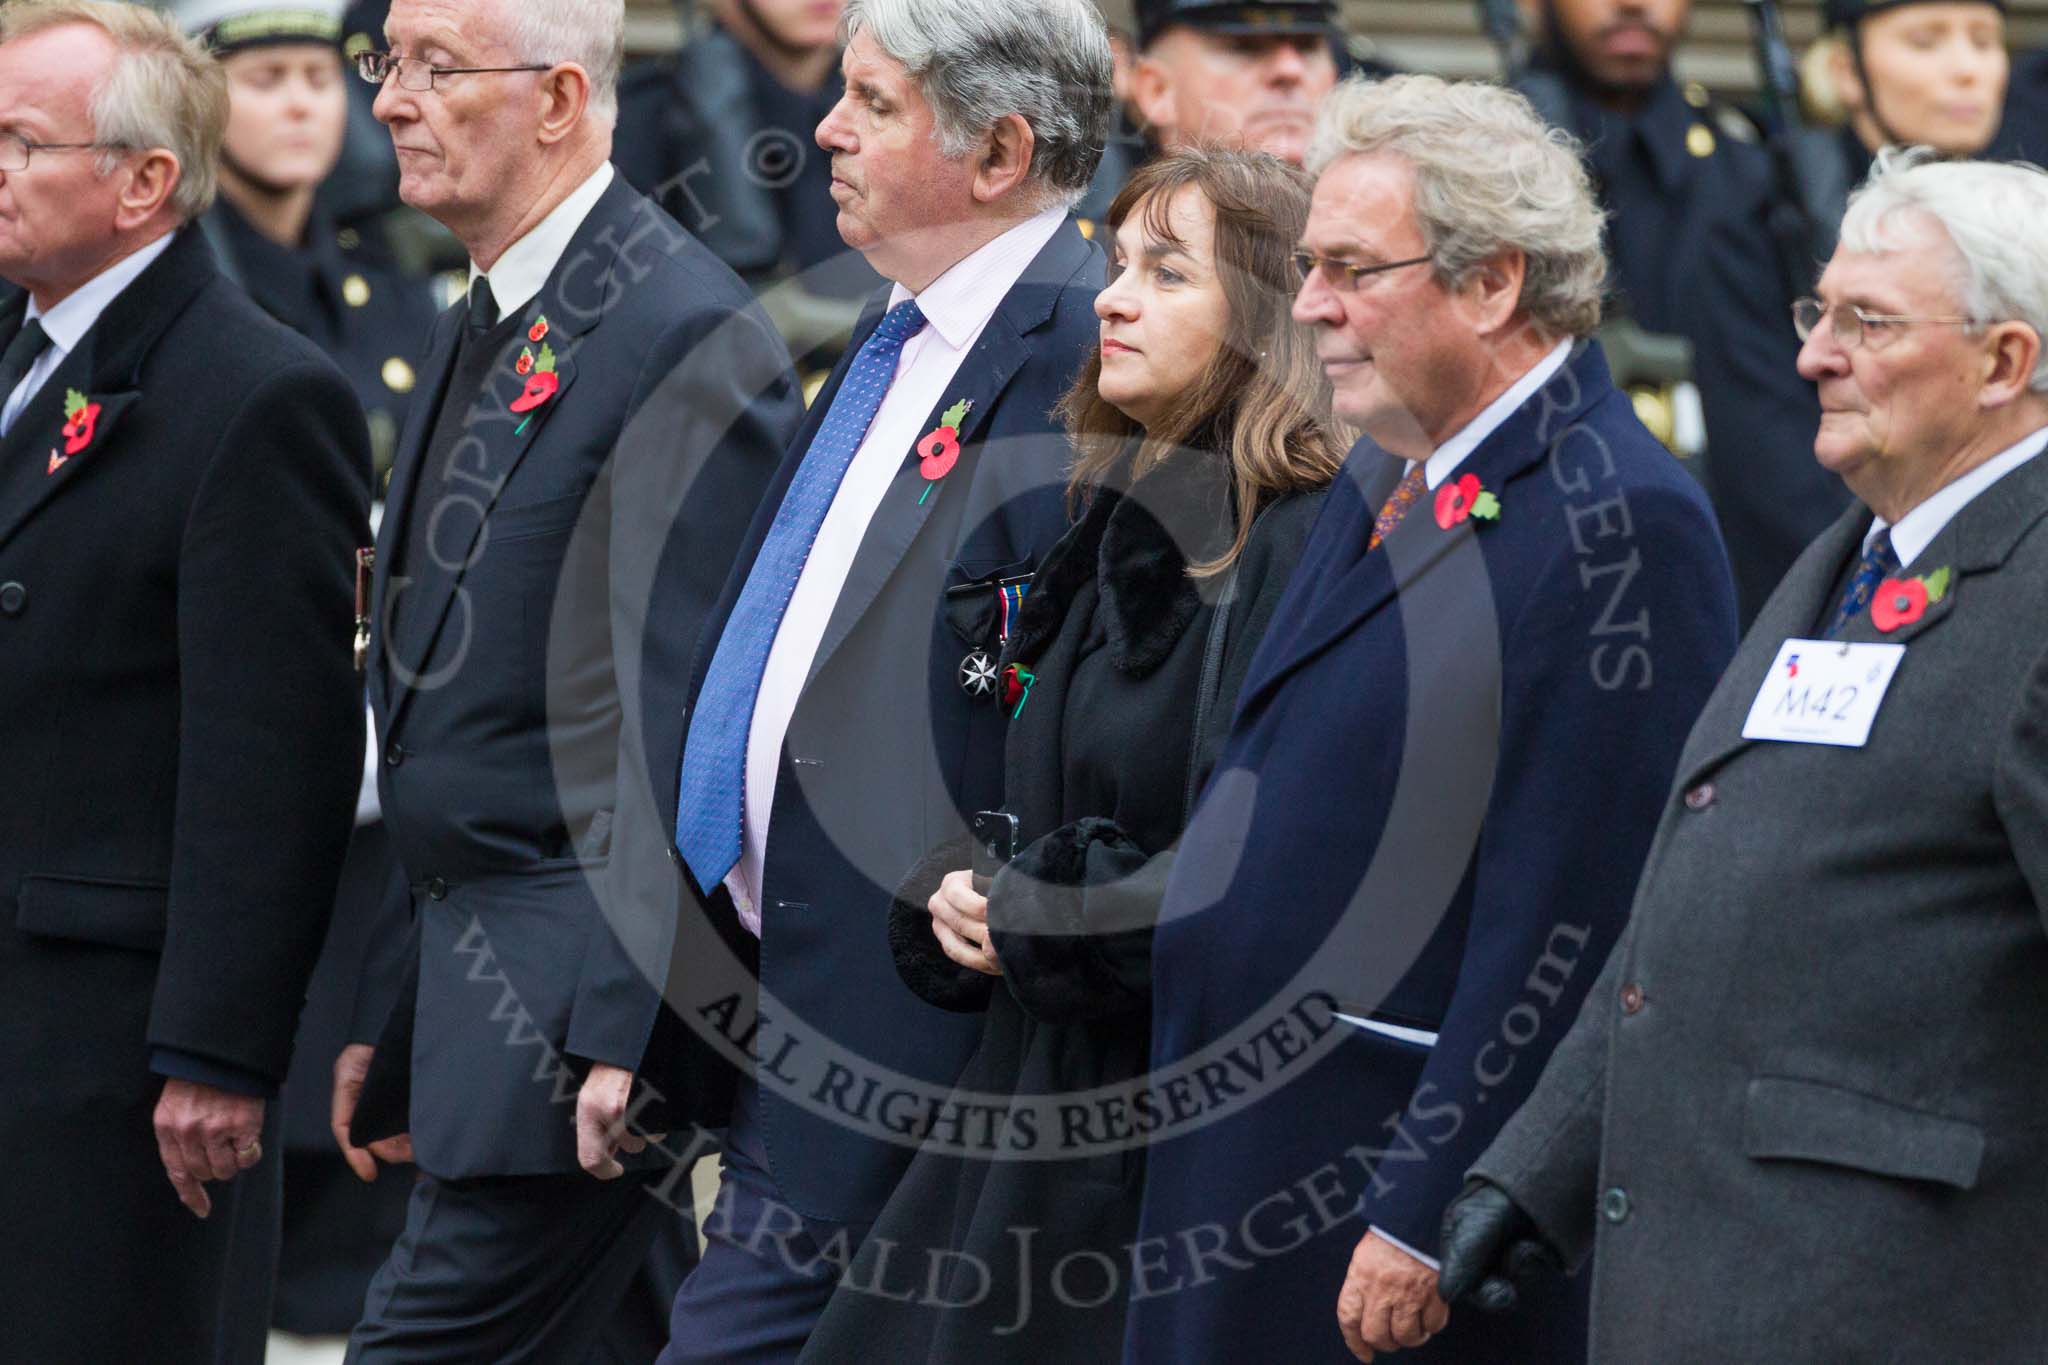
(1102,760)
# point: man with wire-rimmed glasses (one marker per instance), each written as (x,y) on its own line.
(601,349)
(183,487)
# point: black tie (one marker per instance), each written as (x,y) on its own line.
(483,305)
(21,355)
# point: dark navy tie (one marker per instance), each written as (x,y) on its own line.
(711,805)
(20,357)
(1879,562)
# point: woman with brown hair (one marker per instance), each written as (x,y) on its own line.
(1203,441)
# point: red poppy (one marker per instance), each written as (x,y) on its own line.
(1454,500)
(1017,685)
(540,387)
(525,365)
(538,332)
(938,452)
(78,432)
(1898,603)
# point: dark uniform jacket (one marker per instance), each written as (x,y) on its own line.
(180,742)
(1134,665)
(1800,1116)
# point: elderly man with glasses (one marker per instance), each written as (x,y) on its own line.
(183,488)
(606,408)
(1801,1118)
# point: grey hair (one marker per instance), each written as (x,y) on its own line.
(590,33)
(1999,269)
(977,62)
(1490,176)
(163,90)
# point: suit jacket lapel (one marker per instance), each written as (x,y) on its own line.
(1342,597)
(36,462)
(569,306)
(438,367)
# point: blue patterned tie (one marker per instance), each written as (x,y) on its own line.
(1878,563)
(711,802)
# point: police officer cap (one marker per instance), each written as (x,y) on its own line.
(1225,16)
(231,25)
(1845,13)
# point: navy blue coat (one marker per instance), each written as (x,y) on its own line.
(885,757)
(1441,781)
(495,684)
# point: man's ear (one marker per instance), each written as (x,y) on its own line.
(152,181)
(564,96)
(1493,290)
(2012,350)
(1005,159)
(1152,92)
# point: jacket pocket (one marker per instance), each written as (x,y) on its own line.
(120,914)
(1794,1120)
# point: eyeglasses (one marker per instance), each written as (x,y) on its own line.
(418,75)
(15,150)
(1343,276)
(1855,326)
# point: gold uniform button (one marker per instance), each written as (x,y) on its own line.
(398,376)
(348,239)
(355,291)
(1696,95)
(1699,140)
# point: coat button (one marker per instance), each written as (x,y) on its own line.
(1631,999)
(394,753)
(1614,1206)
(437,889)
(13,597)
(1700,797)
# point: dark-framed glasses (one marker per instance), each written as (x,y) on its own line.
(418,75)
(15,150)
(1855,326)
(1343,276)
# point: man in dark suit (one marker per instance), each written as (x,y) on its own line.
(1800,1116)
(183,485)
(832,737)
(1420,839)
(604,365)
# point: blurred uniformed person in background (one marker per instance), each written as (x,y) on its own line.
(1239,75)
(1908,73)
(721,135)
(288,111)
(1688,188)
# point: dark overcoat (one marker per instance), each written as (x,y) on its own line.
(180,743)
(1101,762)
(1438,789)
(1800,1116)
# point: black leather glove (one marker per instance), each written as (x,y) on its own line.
(1489,1247)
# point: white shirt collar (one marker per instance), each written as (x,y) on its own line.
(1918,528)
(1448,456)
(960,302)
(527,263)
(68,322)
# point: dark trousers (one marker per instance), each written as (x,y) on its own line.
(766,1273)
(539,1270)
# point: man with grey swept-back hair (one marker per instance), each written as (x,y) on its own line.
(183,488)
(1801,1119)
(1439,859)
(605,408)
(847,716)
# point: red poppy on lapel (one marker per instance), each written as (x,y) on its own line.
(524,365)
(541,384)
(82,420)
(939,451)
(1017,688)
(1901,602)
(539,331)
(1464,497)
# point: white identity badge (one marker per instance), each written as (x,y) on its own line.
(1823,692)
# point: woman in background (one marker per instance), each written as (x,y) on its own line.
(1203,443)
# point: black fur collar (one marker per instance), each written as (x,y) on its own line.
(1137,544)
